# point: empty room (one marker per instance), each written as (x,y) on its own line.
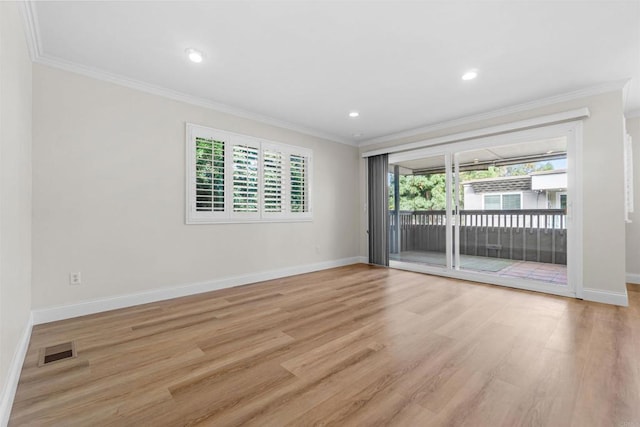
(297,213)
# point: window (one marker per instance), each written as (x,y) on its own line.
(235,178)
(511,201)
(502,201)
(492,202)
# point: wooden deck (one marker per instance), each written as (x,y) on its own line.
(353,346)
(540,271)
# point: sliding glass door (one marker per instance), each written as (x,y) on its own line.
(492,211)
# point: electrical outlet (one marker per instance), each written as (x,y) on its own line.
(75,278)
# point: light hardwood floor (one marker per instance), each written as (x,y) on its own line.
(357,345)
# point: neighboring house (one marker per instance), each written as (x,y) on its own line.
(538,190)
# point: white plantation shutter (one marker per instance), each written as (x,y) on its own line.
(206,175)
(236,178)
(273,173)
(245,185)
(298,178)
(209,166)
(286,189)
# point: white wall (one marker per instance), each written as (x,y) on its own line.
(633,229)
(603,223)
(15,190)
(534,200)
(109,196)
(530,199)
(472,200)
(549,181)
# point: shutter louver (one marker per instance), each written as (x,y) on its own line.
(272,170)
(209,175)
(245,178)
(298,181)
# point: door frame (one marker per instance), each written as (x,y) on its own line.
(572,131)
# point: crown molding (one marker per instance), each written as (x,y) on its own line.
(182,97)
(543,102)
(31,28)
(38,56)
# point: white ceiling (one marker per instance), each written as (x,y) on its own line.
(309,63)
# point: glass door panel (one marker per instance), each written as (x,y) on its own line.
(420,206)
(511,211)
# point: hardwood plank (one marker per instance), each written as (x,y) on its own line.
(610,389)
(356,345)
(550,395)
(365,391)
(484,401)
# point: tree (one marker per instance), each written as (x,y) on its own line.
(422,192)
(427,192)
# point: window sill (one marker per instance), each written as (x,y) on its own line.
(245,221)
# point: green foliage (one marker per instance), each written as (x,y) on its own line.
(427,192)
(209,175)
(498,171)
(422,192)
(527,168)
(491,172)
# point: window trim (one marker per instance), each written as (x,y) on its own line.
(228,216)
(521,193)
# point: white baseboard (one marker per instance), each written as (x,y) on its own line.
(633,278)
(13,375)
(83,308)
(616,298)
(363,260)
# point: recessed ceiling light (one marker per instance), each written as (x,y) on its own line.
(476,161)
(550,151)
(356,135)
(194,55)
(470,75)
(354,114)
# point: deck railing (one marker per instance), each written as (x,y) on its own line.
(524,234)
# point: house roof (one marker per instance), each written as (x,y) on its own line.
(500,184)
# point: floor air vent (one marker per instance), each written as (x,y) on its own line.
(56,353)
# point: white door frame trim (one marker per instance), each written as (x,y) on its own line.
(572,131)
(566,116)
